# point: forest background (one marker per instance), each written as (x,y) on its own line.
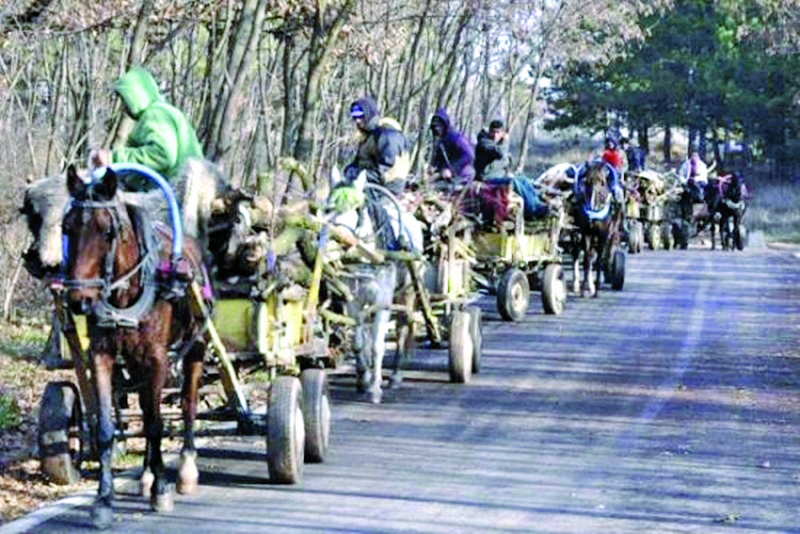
(265,80)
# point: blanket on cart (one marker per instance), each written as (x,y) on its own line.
(491,199)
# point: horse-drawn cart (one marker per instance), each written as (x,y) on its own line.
(263,323)
(443,283)
(648,209)
(520,255)
(398,277)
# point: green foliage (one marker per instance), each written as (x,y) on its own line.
(10,415)
(704,65)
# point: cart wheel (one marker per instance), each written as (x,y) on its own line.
(513,294)
(654,237)
(476,335)
(316,414)
(285,431)
(639,237)
(60,440)
(667,240)
(554,290)
(618,270)
(633,238)
(460,349)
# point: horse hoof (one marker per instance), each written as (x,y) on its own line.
(363,380)
(375,395)
(163,502)
(395,381)
(188,474)
(146,483)
(102,515)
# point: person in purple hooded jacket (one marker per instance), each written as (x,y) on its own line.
(453,157)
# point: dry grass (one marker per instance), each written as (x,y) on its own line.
(775,210)
(23,379)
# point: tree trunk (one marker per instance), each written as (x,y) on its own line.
(644,137)
(321,45)
(245,39)
(529,116)
(667,143)
(411,66)
(121,124)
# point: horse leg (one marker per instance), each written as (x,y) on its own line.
(576,273)
(599,260)
(405,337)
(589,260)
(737,234)
(380,327)
(146,479)
(712,227)
(160,496)
(188,474)
(102,368)
(361,347)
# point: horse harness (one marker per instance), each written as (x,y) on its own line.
(105,313)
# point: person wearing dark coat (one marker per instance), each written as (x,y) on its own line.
(453,157)
(383,150)
(492,159)
(634,154)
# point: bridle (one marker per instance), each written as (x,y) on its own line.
(105,313)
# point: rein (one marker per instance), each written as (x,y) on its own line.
(106,314)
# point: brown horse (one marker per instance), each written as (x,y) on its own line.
(598,218)
(115,276)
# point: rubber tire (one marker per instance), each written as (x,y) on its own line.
(633,238)
(285,431)
(654,237)
(554,290)
(460,349)
(640,240)
(618,270)
(476,335)
(60,421)
(513,278)
(316,414)
(667,239)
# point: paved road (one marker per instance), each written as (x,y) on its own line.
(672,406)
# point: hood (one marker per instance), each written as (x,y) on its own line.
(138,89)
(442,115)
(370,109)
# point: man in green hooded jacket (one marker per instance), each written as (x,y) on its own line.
(162,139)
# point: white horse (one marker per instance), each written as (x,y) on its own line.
(375,286)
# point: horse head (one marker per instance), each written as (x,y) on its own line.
(594,186)
(235,247)
(101,244)
(43,207)
(347,202)
(736,189)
